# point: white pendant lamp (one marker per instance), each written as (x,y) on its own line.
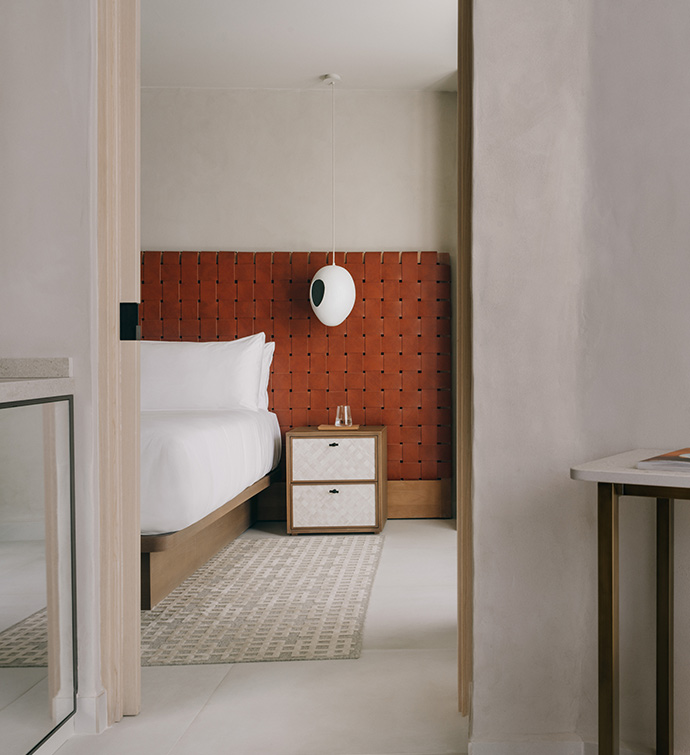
(332,292)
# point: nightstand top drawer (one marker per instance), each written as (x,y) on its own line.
(333,458)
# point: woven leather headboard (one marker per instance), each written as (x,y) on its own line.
(390,360)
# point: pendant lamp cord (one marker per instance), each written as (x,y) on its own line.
(332,84)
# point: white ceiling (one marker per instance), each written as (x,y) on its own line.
(289,44)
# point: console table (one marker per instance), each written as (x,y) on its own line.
(617,476)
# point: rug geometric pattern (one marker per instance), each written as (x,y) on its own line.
(267,599)
(264,599)
(25,645)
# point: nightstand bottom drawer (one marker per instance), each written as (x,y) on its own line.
(334,505)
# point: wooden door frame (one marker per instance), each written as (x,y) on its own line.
(463,382)
(118,386)
(118,93)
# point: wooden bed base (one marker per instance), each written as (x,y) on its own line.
(167,560)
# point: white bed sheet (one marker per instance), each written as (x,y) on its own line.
(192,462)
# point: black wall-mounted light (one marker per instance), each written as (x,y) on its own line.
(130,330)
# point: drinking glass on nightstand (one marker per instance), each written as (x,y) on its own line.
(343,416)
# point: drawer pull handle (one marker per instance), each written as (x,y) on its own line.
(332,445)
(334,491)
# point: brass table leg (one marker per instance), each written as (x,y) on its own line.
(607,543)
(664,626)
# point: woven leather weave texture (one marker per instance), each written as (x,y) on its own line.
(390,360)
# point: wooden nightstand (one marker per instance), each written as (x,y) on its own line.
(336,480)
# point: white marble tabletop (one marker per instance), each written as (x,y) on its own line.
(621,468)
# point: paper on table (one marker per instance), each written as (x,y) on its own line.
(673,461)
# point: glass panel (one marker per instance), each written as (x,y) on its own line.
(36,573)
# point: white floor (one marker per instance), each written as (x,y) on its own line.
(399,697)
(22,580)
(24,700)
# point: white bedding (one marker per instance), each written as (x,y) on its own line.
(192,462)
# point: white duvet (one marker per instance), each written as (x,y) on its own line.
(192,462)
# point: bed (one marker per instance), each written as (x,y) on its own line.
(208,446)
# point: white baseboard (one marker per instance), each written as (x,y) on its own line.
(92,714)
(591,748)
(542,747)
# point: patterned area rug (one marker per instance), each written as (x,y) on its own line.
(259,599)
(25,645)
(267,599)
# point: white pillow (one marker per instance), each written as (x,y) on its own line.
(178,376)
(262,399)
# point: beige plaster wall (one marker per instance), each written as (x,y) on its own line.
(47,245)
(635,371)
(250,170)
(582,165)
(533,526)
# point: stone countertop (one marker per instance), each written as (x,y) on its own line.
(35,378)
(25,389)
